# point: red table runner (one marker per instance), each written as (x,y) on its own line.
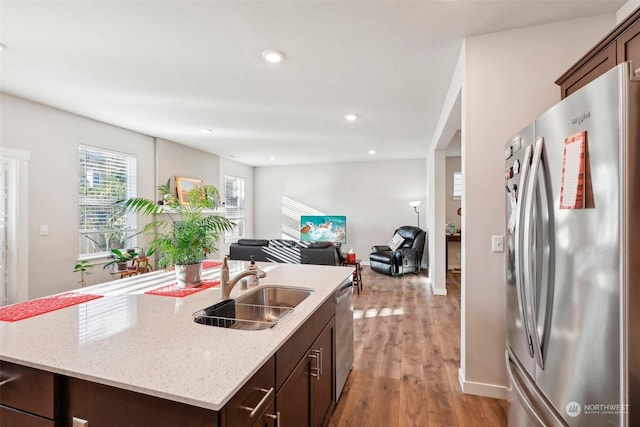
(26,309)
(210,264)
(174,291)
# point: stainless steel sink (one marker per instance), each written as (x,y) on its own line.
(259,309)
(275,296)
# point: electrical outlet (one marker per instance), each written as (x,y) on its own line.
(497,243)
(44,230)
(79,422)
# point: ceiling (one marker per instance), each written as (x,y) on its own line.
(173,68)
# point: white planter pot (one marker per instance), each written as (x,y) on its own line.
(188,275)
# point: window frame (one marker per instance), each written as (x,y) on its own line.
(235,212)
(128,232)
(457,186)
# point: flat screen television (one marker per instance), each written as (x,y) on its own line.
(323,228)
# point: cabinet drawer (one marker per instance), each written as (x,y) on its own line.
(288,356)
(30,390)
(255,396)
(106,406)
(14,418)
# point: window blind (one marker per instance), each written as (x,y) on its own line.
(105,177)
(234,205)
(457,184)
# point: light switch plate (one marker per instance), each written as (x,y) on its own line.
(497,243)
(44,230)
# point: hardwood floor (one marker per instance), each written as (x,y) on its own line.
(407,355)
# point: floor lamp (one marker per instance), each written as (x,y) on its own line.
(414,204)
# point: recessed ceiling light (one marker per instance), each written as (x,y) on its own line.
(3,47)
(351,117)
(372,152)
(206,130)
(273,56)
(272,158)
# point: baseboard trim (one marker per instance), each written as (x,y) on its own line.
(481,389)
(442,292)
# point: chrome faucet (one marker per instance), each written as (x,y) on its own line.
(227,285)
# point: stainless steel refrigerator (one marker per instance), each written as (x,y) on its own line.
(572,183)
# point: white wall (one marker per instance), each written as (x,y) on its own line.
(374,195)
(173,159)
(52,137)
(508,82)
(626,10)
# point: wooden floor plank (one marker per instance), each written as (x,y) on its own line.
(407,357)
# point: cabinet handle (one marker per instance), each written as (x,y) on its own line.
(275,417)
(317,371)
(6,381)
(321,362)
(254,411)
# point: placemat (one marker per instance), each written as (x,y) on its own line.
(174,291)
(210,264)
(26,309)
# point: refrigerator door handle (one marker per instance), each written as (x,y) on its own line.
(520,393)
(520,212)
(531,277)
(540,411)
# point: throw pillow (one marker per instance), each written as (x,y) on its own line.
(396,241)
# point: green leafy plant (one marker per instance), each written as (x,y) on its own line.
(82,267)
(120,257)
(191,230)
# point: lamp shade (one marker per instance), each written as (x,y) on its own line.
(414,203)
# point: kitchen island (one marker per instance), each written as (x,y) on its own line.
(149,344)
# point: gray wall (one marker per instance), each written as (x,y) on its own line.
(52,137)
(374,195)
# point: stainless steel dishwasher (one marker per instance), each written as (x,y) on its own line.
(344,334)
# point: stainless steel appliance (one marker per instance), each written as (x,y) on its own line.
(573,265)
(344,334)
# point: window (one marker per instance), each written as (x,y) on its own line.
(14,262)
(457,185)
(234,203)
(105,177)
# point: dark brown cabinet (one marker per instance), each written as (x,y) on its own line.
(28,397)
(294,388)
(322,383)
(254,399)
(306,397)
(620,45)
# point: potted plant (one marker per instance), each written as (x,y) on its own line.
(190,231)
(83,267)
(120,259)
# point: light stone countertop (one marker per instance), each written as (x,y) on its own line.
(150,344)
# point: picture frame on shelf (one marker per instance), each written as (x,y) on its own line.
(185,185)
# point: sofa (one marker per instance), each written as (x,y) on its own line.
(286,251)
